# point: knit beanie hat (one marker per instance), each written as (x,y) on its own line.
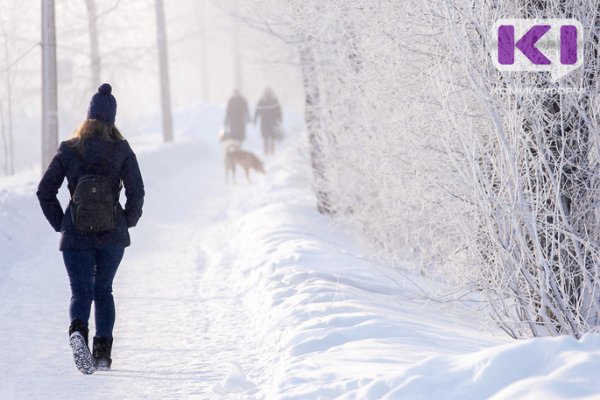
(103,105)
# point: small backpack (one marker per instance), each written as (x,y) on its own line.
(95,203)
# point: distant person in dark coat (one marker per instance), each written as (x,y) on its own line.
(269,112)
(92,260)
(236,117)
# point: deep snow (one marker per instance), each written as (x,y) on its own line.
(243,292)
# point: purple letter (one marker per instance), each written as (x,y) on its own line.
(568,44)
(506,44)
(527,44)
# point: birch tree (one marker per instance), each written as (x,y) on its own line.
(6,103)
(49,85)
(95,64)
(203,51)
(163,59)
(238,75)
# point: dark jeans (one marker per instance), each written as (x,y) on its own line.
(91,273)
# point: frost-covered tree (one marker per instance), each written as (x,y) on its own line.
(535,173)
(435,156)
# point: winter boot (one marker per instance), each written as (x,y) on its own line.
(78,340)
(101,350)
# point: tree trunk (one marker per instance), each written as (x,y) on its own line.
(4,139)
(7,118)
(237,55)
(203,53)
(312,119)
(94,48)
(9,101)
(163,58)
(49,86)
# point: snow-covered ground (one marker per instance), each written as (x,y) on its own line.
(244,292)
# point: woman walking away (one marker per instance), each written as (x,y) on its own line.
(269,112)
(97,162)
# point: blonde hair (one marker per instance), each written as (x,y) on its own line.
(95,128)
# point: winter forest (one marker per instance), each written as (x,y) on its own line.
(426,226)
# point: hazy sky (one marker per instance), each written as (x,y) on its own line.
(129,62)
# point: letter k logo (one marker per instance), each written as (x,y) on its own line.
(506,44)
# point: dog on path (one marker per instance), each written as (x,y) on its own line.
(235,156)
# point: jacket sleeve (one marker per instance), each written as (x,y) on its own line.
(48,189)
(134,190)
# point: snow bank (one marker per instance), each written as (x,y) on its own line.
(548,368)
(334,325)
(277,303)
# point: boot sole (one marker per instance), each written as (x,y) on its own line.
(81,354)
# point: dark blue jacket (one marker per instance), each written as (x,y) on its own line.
(114,159)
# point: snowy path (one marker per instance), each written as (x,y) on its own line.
(176,330)
(176,324)
(246,292)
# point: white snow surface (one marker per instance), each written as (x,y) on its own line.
(246,292)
